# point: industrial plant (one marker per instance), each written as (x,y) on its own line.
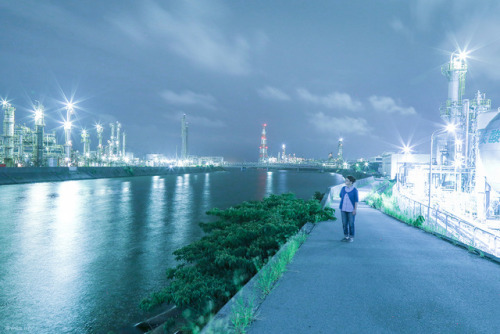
(461,175)
(22,146)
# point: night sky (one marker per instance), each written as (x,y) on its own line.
(368,71)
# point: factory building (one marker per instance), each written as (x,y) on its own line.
(23,146)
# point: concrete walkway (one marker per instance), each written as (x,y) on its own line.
(392,279)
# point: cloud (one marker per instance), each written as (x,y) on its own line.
(483,47)
(189,98)
(189,32)
(333,100)
(206,122)
(388,105)
(273,94)
(399,27)
(194,120)
(425,11)
(327,124)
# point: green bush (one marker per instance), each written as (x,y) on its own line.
(318,196)
(241,241)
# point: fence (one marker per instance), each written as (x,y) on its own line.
(449,225)
(439,222)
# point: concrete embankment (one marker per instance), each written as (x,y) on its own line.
(54,174)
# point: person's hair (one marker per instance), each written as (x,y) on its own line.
(351,178)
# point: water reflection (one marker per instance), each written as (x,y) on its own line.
(269,183)
(206,203)
(156,205)
(79,256)
(181,207)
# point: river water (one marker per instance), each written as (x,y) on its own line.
(78,256)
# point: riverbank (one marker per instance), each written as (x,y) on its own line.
(13,175)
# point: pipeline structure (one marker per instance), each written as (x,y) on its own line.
(22,146)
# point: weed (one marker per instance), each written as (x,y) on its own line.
(242,314)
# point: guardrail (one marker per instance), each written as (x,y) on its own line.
(448,225)
(440,222)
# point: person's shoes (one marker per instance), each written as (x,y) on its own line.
(351,240)
(346,239)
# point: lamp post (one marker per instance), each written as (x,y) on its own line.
(449,128)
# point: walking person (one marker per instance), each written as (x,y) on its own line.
(348,207)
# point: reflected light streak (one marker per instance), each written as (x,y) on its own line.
(181,208)
(206,203)
(269,183)
(156,205)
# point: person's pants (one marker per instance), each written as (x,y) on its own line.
(348,223)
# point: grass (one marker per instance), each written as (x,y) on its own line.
(277,266)
(387,203)
(243,312)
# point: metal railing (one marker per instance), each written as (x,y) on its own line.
(449,225)
(438,221)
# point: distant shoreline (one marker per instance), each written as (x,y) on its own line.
(14,175)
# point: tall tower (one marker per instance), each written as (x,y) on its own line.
(184,134)
(112,140)
(117,146)
(340,153)
(67,134)
(123,144)
(8,134)
(39,127)
(455,110)
(455,71)
(283,154)
(99,146)
(86,146)
(263,145)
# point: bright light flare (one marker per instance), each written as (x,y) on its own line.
(67,125)
(462,55)
(38,114)
(451,128)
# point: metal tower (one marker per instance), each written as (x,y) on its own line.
(86,146)
(117,143)
(123,144)
(67,134)
(263,145)
(8,133)
(184,134)
(112,140)
(455,71)
(340,153)
(38,148)
(455,110)
(99,146)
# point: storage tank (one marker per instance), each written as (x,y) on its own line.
(489,152)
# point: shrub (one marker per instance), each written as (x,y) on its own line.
(241,241)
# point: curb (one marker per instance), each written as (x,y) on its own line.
(249,296)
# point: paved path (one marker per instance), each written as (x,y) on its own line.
(392,279)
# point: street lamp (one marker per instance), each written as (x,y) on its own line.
(450,128)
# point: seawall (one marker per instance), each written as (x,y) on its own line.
(13,175)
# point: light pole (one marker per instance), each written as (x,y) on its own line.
(449,128)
